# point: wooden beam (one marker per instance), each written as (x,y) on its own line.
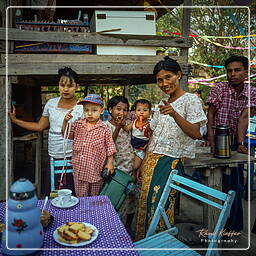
(84,58)
(185,33)
(81,68)
(94,38)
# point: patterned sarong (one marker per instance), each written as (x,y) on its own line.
(154,174)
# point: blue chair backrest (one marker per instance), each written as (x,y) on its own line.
(56,167)
(201,193)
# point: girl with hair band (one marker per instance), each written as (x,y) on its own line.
(52,118)
(176,125)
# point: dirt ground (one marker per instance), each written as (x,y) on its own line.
(246,242)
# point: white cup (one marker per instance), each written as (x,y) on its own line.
(64,196)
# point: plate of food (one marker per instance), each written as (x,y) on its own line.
(75,234)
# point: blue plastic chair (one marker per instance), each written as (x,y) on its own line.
(166,240)
(56,166)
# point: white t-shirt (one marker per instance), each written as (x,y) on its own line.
(56,116)
(168,138)
(136,132)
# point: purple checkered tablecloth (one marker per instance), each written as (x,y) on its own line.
(113,238)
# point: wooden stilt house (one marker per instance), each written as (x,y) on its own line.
(23,74)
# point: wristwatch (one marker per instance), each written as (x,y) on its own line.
(240,143)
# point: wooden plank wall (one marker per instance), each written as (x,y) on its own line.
(92,69)
(94,38)
(43,64)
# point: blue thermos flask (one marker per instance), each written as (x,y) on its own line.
(23,234)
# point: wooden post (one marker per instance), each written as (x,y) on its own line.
(12,23)
(86,88)
(3,6)
(36,106)
(38,169)
(125,91)
(107,95)
(211,214)
(5,138)
(185,33)
(2,12)
(101,91)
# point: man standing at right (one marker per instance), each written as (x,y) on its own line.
(228,105)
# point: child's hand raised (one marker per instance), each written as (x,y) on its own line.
(120,121)
(68,116)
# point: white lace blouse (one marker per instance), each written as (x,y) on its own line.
(168,138)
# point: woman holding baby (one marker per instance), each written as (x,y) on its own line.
(176,125)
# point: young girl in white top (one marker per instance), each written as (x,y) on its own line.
(52,118)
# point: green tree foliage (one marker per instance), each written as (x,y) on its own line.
(150,92)
(214,22)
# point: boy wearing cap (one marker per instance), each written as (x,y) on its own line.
(93,147)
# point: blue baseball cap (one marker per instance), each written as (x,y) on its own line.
(92,98)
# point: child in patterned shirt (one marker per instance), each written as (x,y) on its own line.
(118,107)
(93,147)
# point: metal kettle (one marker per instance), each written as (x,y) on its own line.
(222,142)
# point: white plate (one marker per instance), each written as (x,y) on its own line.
(94,236)
(56,202)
